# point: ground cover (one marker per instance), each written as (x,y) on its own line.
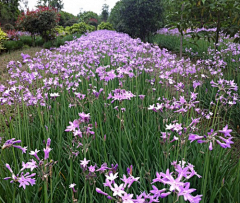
(108,118)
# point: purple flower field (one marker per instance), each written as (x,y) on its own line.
(108,118)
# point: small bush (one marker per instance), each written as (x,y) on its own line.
(3,37)
(48,45)
(105,26)
(79,28)
(91,28)
(25,46)
(67,30)
(68,38)
(13,45)
(59,42)
(39,41)
(27,40)
(60,30)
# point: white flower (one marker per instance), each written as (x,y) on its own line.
(72,185)
(112,176)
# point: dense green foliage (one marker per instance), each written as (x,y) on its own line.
(9,11)
(105,13)
(105,26)
(67,19)
(57,4)
(81,28)
(137,18)
(87,15)
(115,17)
(3,37)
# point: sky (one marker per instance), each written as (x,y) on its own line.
(74,6)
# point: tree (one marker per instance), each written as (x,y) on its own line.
(66,17)
(105,13)
(57,4)
(115,17)
(220,14)
(9,11)
(86,15)
(41,21)
(137,18)
(89,17)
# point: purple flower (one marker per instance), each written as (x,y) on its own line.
(225,131)
(127,198)
(47,149)
(12,142)
(141,96)
(91,169)
(103,167)
(98,190)
(85,118)
(26,180)
(193,137)
(186,193)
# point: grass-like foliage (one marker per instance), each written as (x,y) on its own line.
(108,118)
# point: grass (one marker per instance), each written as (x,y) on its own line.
(172,43)
(125,138)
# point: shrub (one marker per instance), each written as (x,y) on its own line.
(13,45)
(68,38)
(27,40)
(60,30)
(48,45)
(105,26)
(79,28)
(3,37)
(8,26)
(91,28)
(67,30)
(39,41)
(65,19)
(25,46)
(59,42)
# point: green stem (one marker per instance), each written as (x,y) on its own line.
(205,174)
(45,191)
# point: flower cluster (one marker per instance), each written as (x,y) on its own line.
(81,133)
(44,168)
(23,179)
(175,182)
(120,95)
(12,143)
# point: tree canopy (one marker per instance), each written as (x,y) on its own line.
(137,18)
(57,4)
(9,11)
